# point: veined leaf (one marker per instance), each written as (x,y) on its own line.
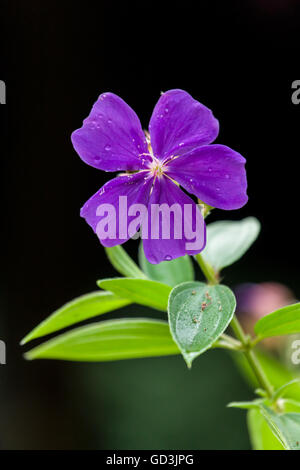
(172,272)
(141,291)
(109,341)
(227,241)
(122,262)
(285,321)
(261,436)
(285,426)
(198,315)
(79,309)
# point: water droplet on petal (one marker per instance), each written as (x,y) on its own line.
(181,144)
(210,170)
(227,177)
(107,147)
(168,258)
(109,121)
(166,110)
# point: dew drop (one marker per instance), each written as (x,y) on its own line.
(166,110)
(168,258)
(210,170)
(107,147)
(109,121)
(227,176)
(181,144)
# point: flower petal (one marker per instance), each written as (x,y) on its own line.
(111,137)
(159,247)
(179,123)
(214,173)
(106,212)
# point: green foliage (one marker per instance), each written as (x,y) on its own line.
(79,309)
(170,272)
(261,435)
(227,241)
(285,426)
(285,321)
(198,315)
(141,291)
(109,341)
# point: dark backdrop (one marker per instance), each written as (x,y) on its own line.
(239,59)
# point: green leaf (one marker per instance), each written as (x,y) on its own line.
(245,405)
(109,341)
(227,241)
(261,436)
(122,262)
(79,309)
(285,321)
(141,291)
(171,272)
(289,406)
(198,315)
(284,388)
(285,426)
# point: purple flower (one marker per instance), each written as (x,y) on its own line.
(176,150)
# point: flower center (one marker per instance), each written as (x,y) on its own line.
(156,167)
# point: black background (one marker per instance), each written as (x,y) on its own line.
(238,58)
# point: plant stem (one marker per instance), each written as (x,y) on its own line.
(207,270)
(250,355)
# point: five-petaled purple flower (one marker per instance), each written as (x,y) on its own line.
(175,152)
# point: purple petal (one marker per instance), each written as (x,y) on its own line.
(157,247)
(106,212)
(179,123)
(214,173)
(111,137)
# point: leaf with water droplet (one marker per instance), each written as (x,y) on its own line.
(195,317)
